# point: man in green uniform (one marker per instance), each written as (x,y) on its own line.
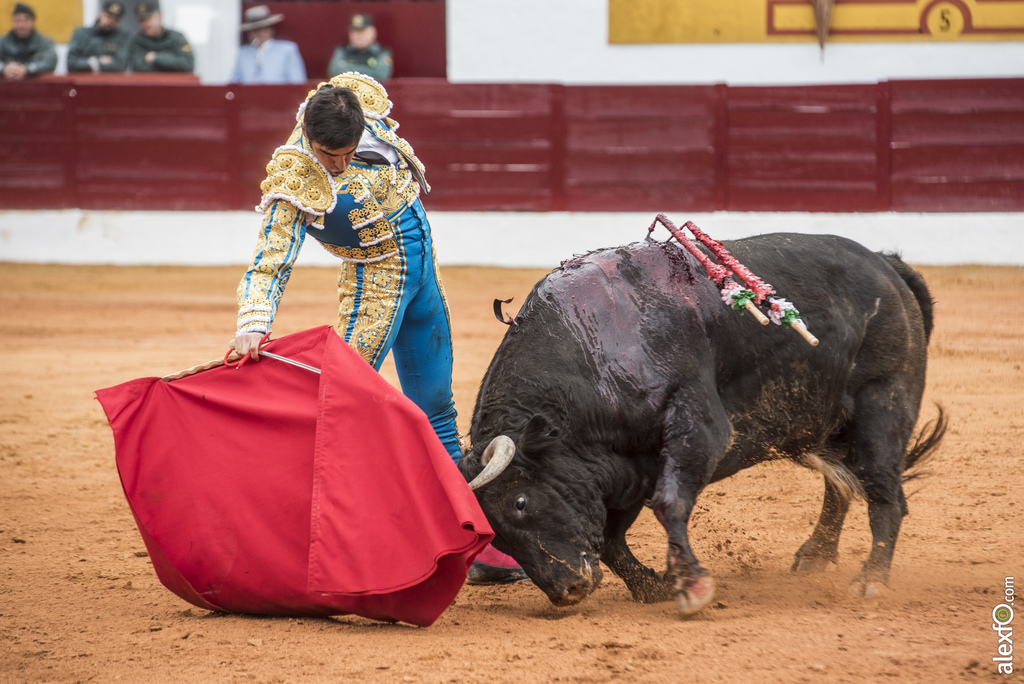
(156,48)
(24,52)
(363,54)
(102,46)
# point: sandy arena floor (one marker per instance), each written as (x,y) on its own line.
(79,600)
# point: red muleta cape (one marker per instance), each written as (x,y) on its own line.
(272,490)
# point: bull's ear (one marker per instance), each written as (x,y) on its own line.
(538,435)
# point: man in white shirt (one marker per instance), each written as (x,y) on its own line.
(265,59)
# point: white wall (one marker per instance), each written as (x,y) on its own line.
(566,41)
(514,239)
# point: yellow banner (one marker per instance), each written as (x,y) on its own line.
(786,21)
(55,19)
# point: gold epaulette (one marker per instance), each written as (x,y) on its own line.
(372,96)
(295,175)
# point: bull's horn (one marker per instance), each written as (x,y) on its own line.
(496,458)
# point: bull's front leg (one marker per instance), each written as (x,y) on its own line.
(692,440)
(643,583)
(693,586)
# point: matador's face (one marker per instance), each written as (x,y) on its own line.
(335,161)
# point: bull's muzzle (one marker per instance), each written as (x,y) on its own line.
(589,578)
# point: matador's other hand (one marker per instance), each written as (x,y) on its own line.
(247,343)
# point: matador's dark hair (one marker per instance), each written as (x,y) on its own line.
(333,118)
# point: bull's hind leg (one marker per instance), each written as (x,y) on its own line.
(822,549)
(883,426)
(886,508)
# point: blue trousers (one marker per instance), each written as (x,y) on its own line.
(398,305)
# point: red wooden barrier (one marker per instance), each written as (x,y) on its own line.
(958,145)
(900,145)
(168,147)
(36,142)
(632,146)
(811,148)
(484,146)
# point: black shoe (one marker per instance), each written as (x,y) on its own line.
(482,573)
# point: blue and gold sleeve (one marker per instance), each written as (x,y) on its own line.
(261,288)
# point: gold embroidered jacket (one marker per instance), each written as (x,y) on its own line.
(351,214)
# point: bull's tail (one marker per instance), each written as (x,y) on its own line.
(846,483)
(925,444)
(915,281)
(840,477)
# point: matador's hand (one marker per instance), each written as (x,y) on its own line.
(247,343)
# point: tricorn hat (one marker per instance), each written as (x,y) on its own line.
(259,17)
(114,8)
(144,10)
(22,8)
(360,21)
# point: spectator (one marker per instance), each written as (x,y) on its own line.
(102,46)
(23,51)
(265,59)
(156,48)
(363,53)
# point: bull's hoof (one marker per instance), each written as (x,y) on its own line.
(866,588)
(694,594)
(812,564)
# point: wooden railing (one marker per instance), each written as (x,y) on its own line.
(896,145)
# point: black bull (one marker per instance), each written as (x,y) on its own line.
(626,382)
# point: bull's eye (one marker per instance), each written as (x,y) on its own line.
(521,503)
